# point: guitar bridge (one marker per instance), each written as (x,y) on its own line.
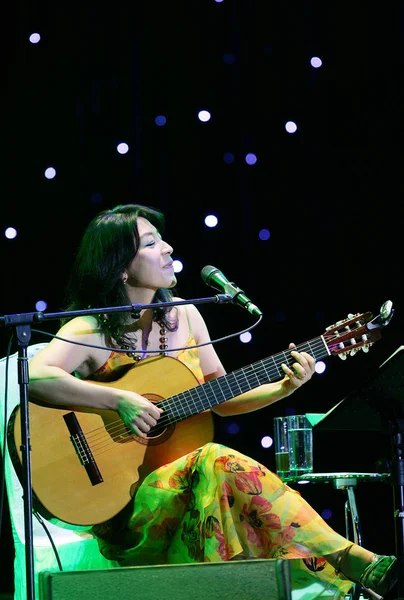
(82,448)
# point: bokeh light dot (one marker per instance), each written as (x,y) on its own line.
(41,305)
(246,337)
(122,148)
(264,234)
(204,116)
(34,38)
(211,221)
(228,158)
(316,62)
(251,158)
(291,127)
(320,366)
(177,266)
(267,441)
(10,233)
(326,514)
(233,428)
(50,173)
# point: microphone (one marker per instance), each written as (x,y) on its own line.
(215,279)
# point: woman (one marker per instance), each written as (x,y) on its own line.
(213,503)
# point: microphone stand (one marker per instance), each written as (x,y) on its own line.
(22,323)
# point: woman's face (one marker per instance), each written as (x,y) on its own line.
(152,266)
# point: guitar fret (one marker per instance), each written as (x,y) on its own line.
(256,376)
(216,383)
(199,404)
(235,385)
(278,370)
(188,407)
(183,406)
(286,358)
(202,390)
(238,375)
(230,379)
(262,374)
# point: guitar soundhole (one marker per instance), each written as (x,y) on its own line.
(162,431)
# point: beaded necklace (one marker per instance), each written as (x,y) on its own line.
(163,347)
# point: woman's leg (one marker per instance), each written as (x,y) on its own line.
(351,561)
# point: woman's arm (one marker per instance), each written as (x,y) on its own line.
(261,396)
(50,370)
(52,382)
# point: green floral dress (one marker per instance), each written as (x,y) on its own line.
(216,504)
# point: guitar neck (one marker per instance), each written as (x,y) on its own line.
(212,393)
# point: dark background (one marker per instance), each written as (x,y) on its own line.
(330,194)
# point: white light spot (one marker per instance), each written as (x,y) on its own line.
(34,38)
(316,62)
(50,173)
(204,115)
(291,127)
(10,233)
(267,441)
(211,221)
(122,148)
(320,366)
(246,337)
(178,266)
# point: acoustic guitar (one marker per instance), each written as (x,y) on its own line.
(86,464)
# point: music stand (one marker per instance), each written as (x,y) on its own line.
(378,405)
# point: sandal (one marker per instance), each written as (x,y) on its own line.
(378,577)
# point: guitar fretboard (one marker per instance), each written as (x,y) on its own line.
(205,396)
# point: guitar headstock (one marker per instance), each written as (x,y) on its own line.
(357,332)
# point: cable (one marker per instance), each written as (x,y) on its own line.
(125,350)
(39,518)
(4,440)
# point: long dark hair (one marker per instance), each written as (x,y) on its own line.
(108,246)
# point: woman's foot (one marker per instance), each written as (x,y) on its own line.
(380,575)
(376,573)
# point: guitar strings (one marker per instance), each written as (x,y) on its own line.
(101,439)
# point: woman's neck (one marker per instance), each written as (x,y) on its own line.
(140,295)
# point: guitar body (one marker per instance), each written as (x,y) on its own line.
(61,485)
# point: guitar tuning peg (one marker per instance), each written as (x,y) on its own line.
(353,351)
(342,356)
(366,348)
